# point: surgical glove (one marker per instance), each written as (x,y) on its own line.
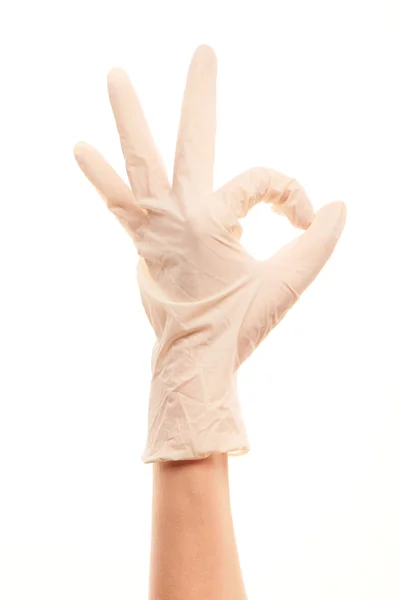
(210,302)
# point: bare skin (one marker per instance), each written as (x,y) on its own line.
(194,554)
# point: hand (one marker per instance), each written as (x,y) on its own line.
(210,303)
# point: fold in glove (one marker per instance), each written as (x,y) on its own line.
(210,303)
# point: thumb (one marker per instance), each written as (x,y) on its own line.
(298,263)
(287,274)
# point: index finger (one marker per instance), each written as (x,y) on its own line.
(289,198)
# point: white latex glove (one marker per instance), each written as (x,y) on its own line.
(210,303)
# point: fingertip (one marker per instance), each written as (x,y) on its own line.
(205,55)
(334,211)
(115,75)
(79,149)
(304,215)
(299,209)
(206,50)
(331,218)
(341,207)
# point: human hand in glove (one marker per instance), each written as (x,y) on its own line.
(209,301)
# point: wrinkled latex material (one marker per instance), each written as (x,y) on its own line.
(210,303)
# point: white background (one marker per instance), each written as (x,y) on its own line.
(308,88)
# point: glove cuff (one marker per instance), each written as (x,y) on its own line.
(194,419)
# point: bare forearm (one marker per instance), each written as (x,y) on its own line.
(194,554)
